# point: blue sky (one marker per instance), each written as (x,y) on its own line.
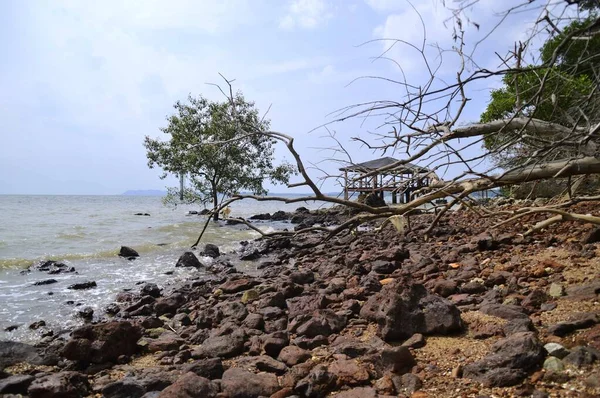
(83,82)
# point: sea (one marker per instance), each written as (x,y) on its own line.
(86,232)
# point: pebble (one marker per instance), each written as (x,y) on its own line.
(553,364)
(556,350)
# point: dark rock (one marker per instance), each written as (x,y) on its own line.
(128,252)
(86,313)
(359,392)
(221,346)
(263,363)
(445,287)
(254,321)
(305,305)
(292,355)
(188,259)
(398,360)
(12,352)
(508,362)
(240,383)
(473,287)
(279,215)
(317,383)
(37,325)
(302,277)
(588,291)
(321,322)
(11,328)
(519,325)
(16,384)
(211,250)
(349,372)
(250,255)
(383,267)
(410,383)
(374,200)
(261,217)
(83,285)
(593,236)
(534,300)
(169,305)
(403,309)
(583,321)
(150,289)
(60,385)
(45,282)
(112,309)
(274,343)
(580,356)
(211,368)
(104,342)
(191,385)
(124,388)
(508,312)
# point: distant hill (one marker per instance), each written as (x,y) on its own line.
(145,192)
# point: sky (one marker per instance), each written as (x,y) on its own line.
(82,83)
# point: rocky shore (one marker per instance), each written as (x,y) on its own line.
(471,312)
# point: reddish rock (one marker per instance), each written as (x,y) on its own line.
(238,285)
(240,383)
(190,385)
(292,355)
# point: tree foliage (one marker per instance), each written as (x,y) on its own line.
(207,144)
(563,89)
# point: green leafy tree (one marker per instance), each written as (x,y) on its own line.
(568,96)
(207,143)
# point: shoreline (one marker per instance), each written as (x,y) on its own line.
(367,315)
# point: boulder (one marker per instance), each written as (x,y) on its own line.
(240,383)
(188,259)
(125,388)
(102,343)
(60,385)
(12,352)
(169,305)
(508,362)
(317,383)
(191,385)
(403,309)
(128,252)
(581,321)
(211,250)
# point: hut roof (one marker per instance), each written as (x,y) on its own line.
(375,164)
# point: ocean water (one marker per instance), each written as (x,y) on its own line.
(86,232)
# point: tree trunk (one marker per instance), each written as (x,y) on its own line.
(215,205)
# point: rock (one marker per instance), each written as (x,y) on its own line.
(261,217)
(11,328)
(374,200)
(254,321)
(240,383)
(211,250)
(104,342)
(249,296)
(45,282)
(322,323)
(12,352)
(473,287)
(128,252)
(553,364)
(582,321)
(279,215)
(169,305)
(508,362)
(556,350)
(150,289)
(220,346)
(445,287)
(238,285)
(37,325)
(274,343)
(348,372)
(580,356)
(83,285)
(534,300)
(166,342)
(292,355)
(190,385)
(263,363)
(188,259)
(383,267)
(556,290)
(588,291)
(302,277)
(402,310)
(415,341)
(125,388)
(410,383)
(317,383)
(211,368)
(86,313)
(358,392)
(15,384)
(508,312)
(60,385)
(593,236)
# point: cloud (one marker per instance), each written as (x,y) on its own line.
(305,14)
(386,5)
